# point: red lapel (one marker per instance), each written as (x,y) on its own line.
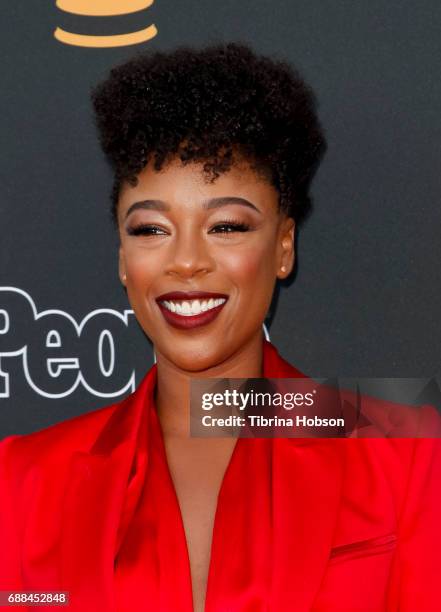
(100,500)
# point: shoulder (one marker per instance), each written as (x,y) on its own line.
(395,451)
(404,464)
(403,441)
(54,443)
(52,449)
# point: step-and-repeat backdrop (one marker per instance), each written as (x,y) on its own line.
(365,298)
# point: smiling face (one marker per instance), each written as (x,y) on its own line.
(180,233)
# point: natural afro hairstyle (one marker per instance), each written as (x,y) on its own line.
(215,105)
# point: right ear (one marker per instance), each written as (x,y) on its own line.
(122,267)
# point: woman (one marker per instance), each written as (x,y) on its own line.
(213,152)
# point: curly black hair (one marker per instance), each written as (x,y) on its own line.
(216,105)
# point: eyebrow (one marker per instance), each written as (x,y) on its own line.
(207,204)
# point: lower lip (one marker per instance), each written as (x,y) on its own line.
(181,322)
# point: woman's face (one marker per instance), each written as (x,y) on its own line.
(180,233)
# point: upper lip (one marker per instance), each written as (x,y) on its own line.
(190,295)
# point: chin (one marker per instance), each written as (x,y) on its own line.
(198,355)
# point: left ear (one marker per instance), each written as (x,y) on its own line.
(285,247)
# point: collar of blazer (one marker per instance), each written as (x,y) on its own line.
(105,484)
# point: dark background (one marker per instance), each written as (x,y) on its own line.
(366,296)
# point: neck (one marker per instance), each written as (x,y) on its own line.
(173,383)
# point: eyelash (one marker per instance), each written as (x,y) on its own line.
(236,226)
(147,230)
(143,230)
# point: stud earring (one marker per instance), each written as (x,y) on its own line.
(124,277)
(283,268)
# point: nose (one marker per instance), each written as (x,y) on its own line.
(189,254)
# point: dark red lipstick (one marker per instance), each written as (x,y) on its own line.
(189,321)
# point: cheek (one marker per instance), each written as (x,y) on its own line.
(250,268)
(142,267)
(242,266)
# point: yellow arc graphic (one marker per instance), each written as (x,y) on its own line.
(103,8)
(116,40)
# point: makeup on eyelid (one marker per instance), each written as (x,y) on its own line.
(144,228)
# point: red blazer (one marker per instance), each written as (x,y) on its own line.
(324,525)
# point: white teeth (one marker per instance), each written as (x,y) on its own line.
(188,308)
(196,307)
(170,306)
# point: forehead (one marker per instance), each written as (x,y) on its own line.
(188,186)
